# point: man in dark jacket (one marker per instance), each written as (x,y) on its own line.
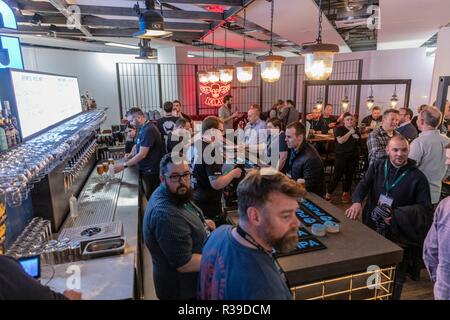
(304,161)
(388,184)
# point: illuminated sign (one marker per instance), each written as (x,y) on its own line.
(10,52)
(215,92)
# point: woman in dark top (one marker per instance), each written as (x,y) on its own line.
(347,140)
(277,124)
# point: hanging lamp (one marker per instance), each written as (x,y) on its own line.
(244,69)
(319,56)
(213,73)
(271,64)
(319,102)
(345,102)
(394,98)
(203,76)
(370,100)
(226,71)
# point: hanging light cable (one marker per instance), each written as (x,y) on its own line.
(319,56)
(213,73)
(203,75)
(244,68)
(226,71)
(370,100)
(271,64)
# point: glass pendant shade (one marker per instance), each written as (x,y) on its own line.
(244,71)
(319,60)
(203,77)
(345,104)
(271,67)
(394,101)
(226,74)
(213,75)
(370,102)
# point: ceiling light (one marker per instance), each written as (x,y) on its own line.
(226,71)
(319,57)
(121,45)
(394,98)
(244,69)
(370,100)
(151,22)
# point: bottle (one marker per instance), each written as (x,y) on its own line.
(73,205)
(10,133)
(3,139)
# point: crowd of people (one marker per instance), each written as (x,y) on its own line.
(197,255)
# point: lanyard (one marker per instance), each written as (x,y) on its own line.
(271,254)
(189,207)
(396,182)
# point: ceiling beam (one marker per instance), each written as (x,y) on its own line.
(123,12)
(92,21)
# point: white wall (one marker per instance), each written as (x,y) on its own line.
(442,65)
(96,73)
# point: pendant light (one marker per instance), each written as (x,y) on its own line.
(244,69)
(319,102)
(319,56)
(226,71)
(213,73)
(271,64)
(394,98)
(345,102)
(370,100)
(203,75)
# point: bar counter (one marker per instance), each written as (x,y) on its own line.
(107,278)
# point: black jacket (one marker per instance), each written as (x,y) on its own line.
(412,189)
(410,225)
(307,164)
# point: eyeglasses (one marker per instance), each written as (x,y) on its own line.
(178,177)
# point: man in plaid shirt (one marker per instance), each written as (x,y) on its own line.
(379,138)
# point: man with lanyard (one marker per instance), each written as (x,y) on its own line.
(147,152)
(239,263)
(388,184)
(174,232)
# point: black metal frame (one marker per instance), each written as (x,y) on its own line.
(358,83)
(441,98)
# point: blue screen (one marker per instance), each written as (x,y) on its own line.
(31,266)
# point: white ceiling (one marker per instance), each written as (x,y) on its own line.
(410,23)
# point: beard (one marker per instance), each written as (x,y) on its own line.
(179,197)
(283,244)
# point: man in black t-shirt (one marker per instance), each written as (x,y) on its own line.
(373,120)
(209,179)
(167,123)
(147,152)
(175,231)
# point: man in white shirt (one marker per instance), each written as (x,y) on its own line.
(428,150)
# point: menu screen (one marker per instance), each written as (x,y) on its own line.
(43,100)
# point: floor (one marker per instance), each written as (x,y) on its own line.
(412,290)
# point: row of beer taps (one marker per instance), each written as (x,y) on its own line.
(76,164)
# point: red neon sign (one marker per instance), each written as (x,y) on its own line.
(215,92)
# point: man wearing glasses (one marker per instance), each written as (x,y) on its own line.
(174,232)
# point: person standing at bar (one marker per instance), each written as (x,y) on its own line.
(177,111)
(372,121)
(304,161)
(379,138)
(167,123)
(414,119)
(148,151)
(239,263)
(405,127)
(254,127)
(209,178)
(289,113)
(226,114)
(347,140)
(276,124)
(436,250)
(174,232)
(428,150)
(390,185)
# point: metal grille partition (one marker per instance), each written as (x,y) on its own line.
(149,85)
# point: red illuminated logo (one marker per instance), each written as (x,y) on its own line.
(215,92)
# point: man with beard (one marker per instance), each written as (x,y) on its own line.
(174,232)
(238,263)
(226,114)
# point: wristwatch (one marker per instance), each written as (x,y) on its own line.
(125,165)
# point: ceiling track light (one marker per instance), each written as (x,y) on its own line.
(151,22)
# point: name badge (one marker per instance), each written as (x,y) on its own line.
(385,200)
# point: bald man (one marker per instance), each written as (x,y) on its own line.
(392,184)
(428,150)
(254,126)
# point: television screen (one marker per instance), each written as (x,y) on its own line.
(43,100)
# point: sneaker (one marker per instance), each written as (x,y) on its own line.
(346,197)
(328,197)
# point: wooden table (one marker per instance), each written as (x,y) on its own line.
(322,138)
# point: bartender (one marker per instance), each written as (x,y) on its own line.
(147,153)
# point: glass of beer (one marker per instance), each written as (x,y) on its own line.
(110,161)
(100,169)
